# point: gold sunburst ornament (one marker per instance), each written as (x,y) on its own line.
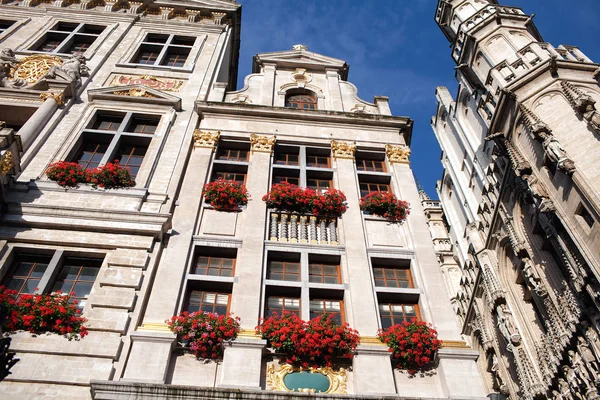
(35,67)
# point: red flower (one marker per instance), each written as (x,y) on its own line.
(225,195)
(287,197)
(411,344)
(386,205)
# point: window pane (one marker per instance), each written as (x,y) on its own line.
(83,289)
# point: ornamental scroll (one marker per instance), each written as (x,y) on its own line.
(262,144)
(397,154)
(276,379)
(205,139)
(343,149)
(167,85)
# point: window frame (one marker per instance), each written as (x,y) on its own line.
(283,309)
(302,93)
(409,279)
(341,312)
(404,318)
(210,258)
(338,273)
(207,291)
(301,170)
(70,38)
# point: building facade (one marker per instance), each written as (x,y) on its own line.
(520,193)
(152,84)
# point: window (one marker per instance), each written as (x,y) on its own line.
(584,215)
(327,307)
(228,154)
(370,165)
(207,301)
(166,50)
(48,272)
(284,270)
(229,176)
(214,265)
(4,25)
(392,313)
(303,166)
(324,273)
(392,273)
(68,38)
(280,304)
(116,136)
(231,161)
(368,187)
(301,99)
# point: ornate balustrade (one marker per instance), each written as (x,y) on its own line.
(295,228)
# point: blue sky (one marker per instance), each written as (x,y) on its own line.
(394,48)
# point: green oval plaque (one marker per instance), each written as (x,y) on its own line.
(306,380)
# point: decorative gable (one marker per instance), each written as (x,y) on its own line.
(135,93)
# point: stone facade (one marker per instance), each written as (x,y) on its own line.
(153,84)
(520,192)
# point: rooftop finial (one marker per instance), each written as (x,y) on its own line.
(299,47)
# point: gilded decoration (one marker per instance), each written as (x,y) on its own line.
(337,379)
(7,161)
(35,67)
(262,144)
(206,139)
(56,96)
(167,85)
(135,92)
(398,154)
(343,149)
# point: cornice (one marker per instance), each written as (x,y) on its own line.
(404,124)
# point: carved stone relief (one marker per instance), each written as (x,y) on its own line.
(262,144)
(343,149)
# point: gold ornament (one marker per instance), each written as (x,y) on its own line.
(136,93)
(397,154)
(169,85)
(205,139)
(343,149)
(35,67)
(56,96)
(337,379)
(262,144)
(7,161)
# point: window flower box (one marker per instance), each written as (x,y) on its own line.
(225,195)
(291,198)
(109,176)
(386,205)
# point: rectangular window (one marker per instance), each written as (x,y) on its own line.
(324,273)
(208,301)
(78,275)
(229,176)
(394,313)
(286,158)
(327,307)
(225,154)
(214,265)
(4,25)
(585,216)
(319,185)
(280,304)
(284,271)
(318,161)
(68,38)
(370,165)
(167,50)
(368,187)
(289,179)
(392,273)
(26,272)
(131,156)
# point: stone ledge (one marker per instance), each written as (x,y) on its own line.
(112,390)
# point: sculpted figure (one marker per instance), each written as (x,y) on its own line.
(556,153)
(72,69)
(592,116)
(572,377)
(579,368)
(532,279)
(586,354)
(506,324)
(565,390)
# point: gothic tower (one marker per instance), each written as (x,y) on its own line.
(520,191)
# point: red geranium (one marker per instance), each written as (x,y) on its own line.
(67,174)
(413,344)
(205,332)
(108,176)
(40,313)
(386,205)
(315,343)
(285,196)
(225,195)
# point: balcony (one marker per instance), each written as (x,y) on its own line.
(294,228)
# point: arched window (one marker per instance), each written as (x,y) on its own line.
(304,100)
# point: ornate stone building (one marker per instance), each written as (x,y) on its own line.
(520,192)
(152,84)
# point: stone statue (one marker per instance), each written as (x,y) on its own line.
(578,367)
(572,377)
(592,116)
(8,61)
(565,390)
(588,357)
(71,70)
(556,153)
(532,279)
(506,324)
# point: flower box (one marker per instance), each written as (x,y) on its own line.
(285,196)
(225,195)
(308,344)
(386,205)
(108,176)
(412,344)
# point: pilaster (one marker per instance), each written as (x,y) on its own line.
(242,363)
(335,96)
(372,369)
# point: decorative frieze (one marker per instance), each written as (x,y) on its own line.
(276,377)
(344,150)
(206,139)
(163,84)
(398,154)
(56,96)
(7,162)
(135,92)
(262,144)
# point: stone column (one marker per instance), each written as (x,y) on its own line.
(153,340)
(458,370)
(243,359)
(34,125)
(335,95)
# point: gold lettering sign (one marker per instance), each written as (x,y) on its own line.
(167,85)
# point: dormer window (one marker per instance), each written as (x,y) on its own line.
(304,100)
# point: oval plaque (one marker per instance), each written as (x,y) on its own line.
(307,380)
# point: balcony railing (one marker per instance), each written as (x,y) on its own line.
(310,229)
